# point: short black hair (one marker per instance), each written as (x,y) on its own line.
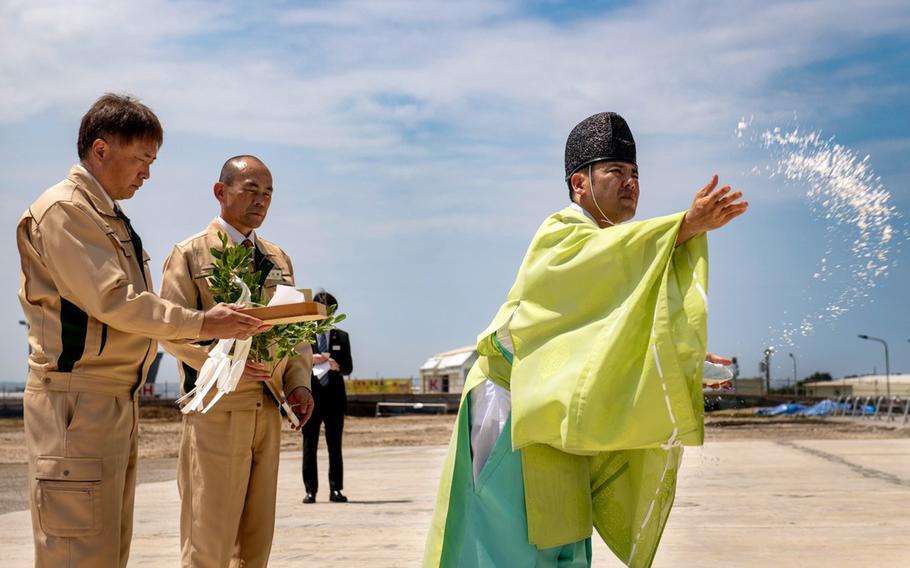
(584,172)
(324,297)
(569,183)
(232,167)
(119,117)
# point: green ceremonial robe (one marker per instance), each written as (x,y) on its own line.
(609,332)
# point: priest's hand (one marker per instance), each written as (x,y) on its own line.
(253,371)
(301,402)
(717,359)
(711,210)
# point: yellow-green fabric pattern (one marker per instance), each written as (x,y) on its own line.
(609,331)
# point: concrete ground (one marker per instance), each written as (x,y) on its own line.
(744,503)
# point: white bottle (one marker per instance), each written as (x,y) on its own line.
(714,374)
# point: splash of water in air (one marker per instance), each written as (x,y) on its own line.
(844,192)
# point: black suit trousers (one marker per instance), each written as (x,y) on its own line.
(331,402)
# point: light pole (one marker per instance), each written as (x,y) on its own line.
(736,371)
(887,363)
(25,323)
(795,378)
(766,367)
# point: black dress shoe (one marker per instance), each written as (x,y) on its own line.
(337,497)
(309,498)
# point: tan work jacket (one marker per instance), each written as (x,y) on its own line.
(185,282)
(85,295)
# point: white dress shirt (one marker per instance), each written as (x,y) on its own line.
(236,235)
(104,192)
(578,207)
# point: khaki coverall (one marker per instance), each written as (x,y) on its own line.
(228,464)
(90,313)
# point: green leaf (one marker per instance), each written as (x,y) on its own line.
(279,342)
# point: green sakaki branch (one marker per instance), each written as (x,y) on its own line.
(279,342)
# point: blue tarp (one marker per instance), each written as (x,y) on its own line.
(785,408)
(824,408)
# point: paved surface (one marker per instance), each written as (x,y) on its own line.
(817,503)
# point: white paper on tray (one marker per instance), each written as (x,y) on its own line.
(286,295)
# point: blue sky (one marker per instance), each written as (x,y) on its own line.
(416,146)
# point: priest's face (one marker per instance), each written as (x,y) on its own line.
(614,186)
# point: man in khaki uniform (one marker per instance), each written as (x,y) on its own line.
(85,290)
(228,466)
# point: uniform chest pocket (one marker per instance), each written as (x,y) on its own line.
(278,275)
(203,273)
(124,242)
(201,280)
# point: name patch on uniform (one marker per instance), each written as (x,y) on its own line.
(336,348)
(274,275)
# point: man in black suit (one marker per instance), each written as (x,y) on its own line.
(332,348)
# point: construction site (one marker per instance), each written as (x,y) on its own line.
(765,490)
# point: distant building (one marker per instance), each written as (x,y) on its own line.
(750,386)
(446,372)
(868,385)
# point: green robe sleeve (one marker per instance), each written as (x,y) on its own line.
(609,334)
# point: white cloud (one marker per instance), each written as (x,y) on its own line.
(433,120)
(673,62)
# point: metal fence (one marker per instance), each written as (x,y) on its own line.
(895,409)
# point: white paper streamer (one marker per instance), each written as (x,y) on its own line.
(222,369)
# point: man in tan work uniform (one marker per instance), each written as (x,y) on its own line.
(227,471)
(86,292)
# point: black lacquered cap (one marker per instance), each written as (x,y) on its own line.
(601,137)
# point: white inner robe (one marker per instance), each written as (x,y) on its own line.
(490,408)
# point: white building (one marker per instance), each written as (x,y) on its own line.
(446,372)
(869,385)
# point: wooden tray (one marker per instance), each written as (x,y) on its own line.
(289,313)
